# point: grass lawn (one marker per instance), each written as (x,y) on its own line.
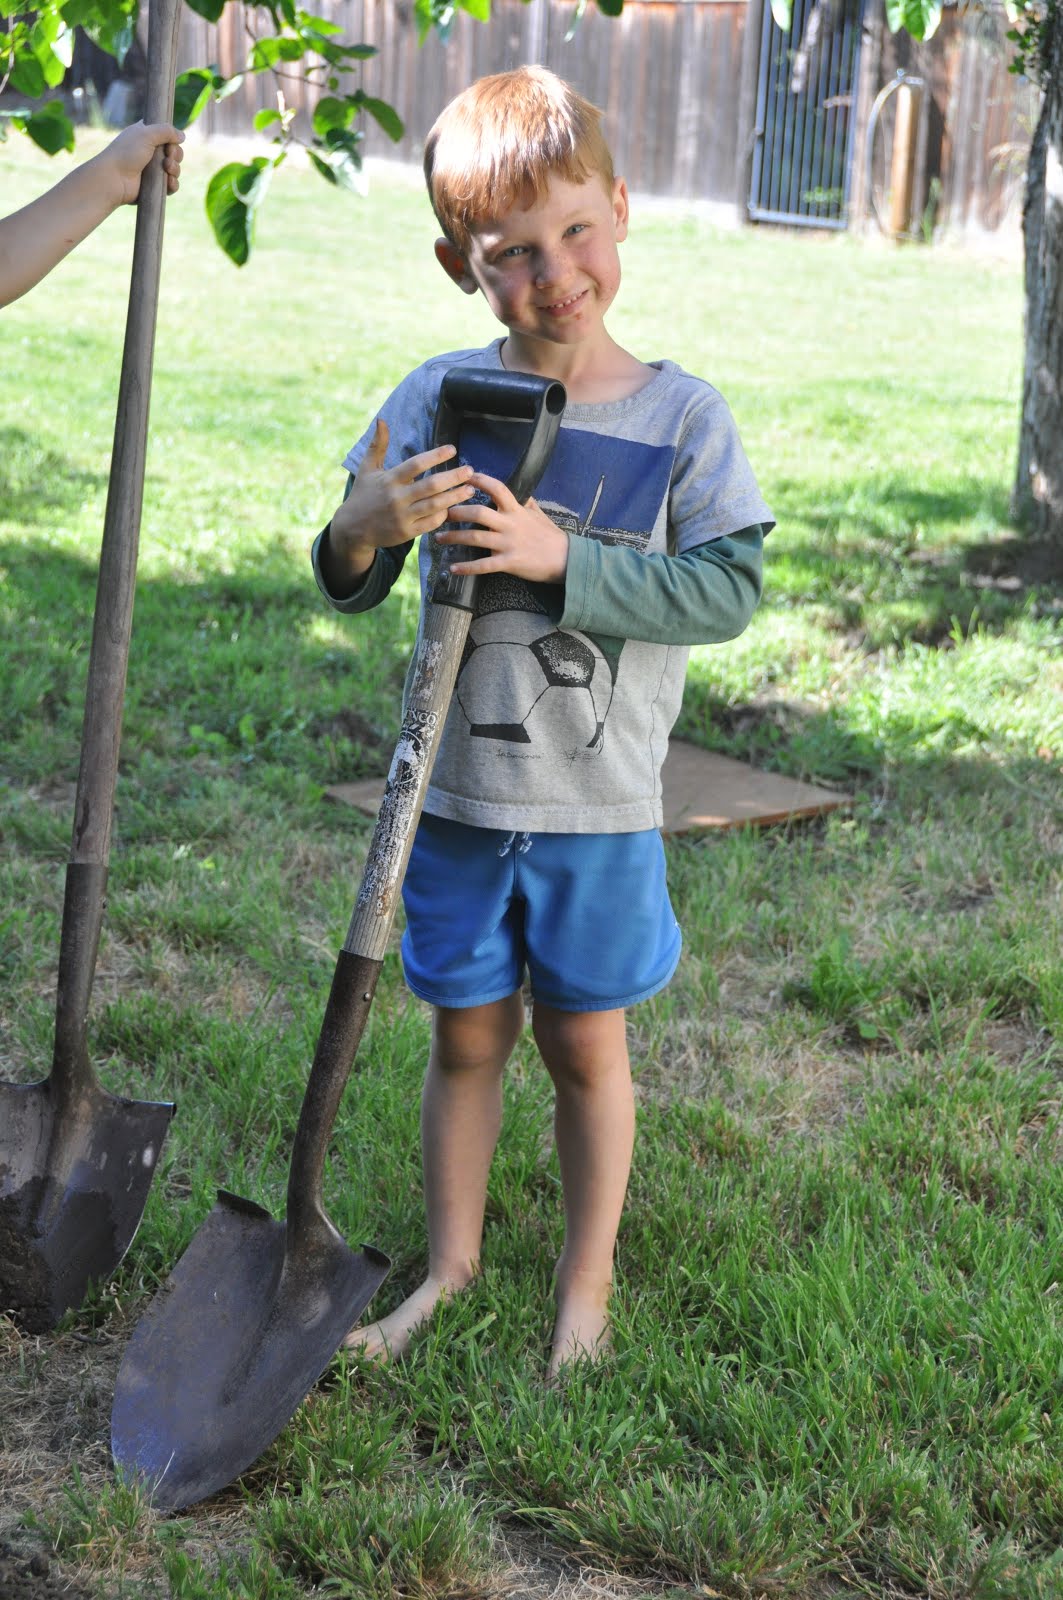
(839,1318)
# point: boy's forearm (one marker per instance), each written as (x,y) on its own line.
(374,585)
(343,569)
(702,597)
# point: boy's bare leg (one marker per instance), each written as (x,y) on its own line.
(461,1114)
(594,1122)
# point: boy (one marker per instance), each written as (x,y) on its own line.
(539,847)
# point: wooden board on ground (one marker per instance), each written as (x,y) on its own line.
(702,789)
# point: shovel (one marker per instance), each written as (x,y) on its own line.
(75,1162)
(256,1309)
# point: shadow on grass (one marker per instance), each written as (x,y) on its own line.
(880,570)
(222,668)
(226,673)
(35,483)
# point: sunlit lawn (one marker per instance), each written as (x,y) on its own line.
(839,1347)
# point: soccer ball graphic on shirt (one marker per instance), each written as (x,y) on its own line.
(522,680)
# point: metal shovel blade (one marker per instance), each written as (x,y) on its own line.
(73,1185)
(76,1163)
(229,1349)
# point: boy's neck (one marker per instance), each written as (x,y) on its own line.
(591,376)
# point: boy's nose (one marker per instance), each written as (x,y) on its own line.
(547,270)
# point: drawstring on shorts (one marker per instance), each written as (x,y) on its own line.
(522,848)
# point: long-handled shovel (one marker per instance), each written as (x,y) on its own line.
(255,1309)
(75,1162)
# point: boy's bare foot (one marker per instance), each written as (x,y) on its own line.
(582,1326)
(392,1334)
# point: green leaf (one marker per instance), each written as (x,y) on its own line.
(108,23)
(27,77)
(331,112)
(919,18)
(782,12)
(611,8)
(51,42)
(121,41)
(267,52)
(481,9)
(51,128)
(224,87)
(323,167)
(191,93)
(307,23)
(429,14)
(210,9)
(75,12)
(233,196)
(385,115)
(341,153)
(266,118)
(54,70)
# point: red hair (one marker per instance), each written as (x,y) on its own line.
(499,142)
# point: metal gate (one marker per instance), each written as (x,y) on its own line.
(806,105)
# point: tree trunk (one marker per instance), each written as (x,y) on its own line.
(1037,499)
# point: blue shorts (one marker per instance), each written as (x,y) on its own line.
(587,915)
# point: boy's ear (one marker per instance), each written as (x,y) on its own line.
(455,266)
(621,209)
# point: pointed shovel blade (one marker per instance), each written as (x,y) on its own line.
(230,1347)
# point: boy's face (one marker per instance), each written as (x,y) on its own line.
(549,270)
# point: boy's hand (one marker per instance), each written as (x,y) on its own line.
(392,505)
(516,538)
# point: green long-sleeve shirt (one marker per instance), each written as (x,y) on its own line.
(703,597)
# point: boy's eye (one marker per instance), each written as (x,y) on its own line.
(578,227)
(510,252)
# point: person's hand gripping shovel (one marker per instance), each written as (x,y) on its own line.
(256,1309)
(76,1163)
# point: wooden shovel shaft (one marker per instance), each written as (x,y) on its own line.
(109,655)
(358,968)
(428,701)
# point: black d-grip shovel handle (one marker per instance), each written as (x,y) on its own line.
(503,397)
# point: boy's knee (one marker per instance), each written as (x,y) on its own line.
(476,1038)
(580,1046)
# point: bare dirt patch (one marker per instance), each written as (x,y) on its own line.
(25,1576)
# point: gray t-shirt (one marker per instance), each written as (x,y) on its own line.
(554,729)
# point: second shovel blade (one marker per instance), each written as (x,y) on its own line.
(74,1181)
(229,1348)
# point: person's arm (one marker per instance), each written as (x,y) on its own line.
(704,596)
(35,239)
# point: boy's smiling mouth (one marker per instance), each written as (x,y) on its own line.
(558,307)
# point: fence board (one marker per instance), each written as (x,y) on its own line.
(668,74)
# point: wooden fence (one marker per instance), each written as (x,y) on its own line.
(676,80)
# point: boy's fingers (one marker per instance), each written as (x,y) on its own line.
(378,447)
(438,485)
(495,488)
(414,467)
